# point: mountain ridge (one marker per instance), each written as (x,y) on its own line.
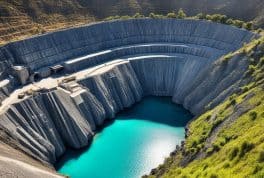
(20,19)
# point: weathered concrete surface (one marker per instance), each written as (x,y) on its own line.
(14,168)
(94,44)
(216,83)
(13,163)
(46,122)
(55,47)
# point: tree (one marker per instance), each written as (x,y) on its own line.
(181,14)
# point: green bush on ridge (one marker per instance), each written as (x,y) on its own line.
(233,153)
(261,157)
(245,147)
(253,115)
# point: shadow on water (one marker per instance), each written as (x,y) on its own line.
(157,109)
(72,153)
(154,109)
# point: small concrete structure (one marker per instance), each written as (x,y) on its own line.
(21,73)
(44,72)
(56,69)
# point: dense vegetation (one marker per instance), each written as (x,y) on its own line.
(228,140)
(23,18)
(219,18)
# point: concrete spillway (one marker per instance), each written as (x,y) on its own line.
(114,65)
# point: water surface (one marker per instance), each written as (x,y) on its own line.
(137,140)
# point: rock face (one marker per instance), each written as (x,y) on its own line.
(142,57)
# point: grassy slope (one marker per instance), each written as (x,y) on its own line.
(236,149)
(20,19)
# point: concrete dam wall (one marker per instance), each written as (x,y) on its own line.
(110,66)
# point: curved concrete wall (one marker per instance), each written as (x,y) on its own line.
(87,46)
(60,46)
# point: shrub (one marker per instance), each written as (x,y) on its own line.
(199,147)
(171,15)
(252,68)
(238,23)
(229,21)
(179,171)
(204,133)
(210,150)
(138,15)
(233,153)
(227,57)
(213,175)
(152,15)
(216,124)
(259,30)
(193,150)
(156,16)
(226,165)
(202,138)
(233,102)
(194,143)
(217,18)
(227,138)
(248,26)
(261,157)
(245,89)
(181,14)
(232,97)
(208,17)
(257,169)
(253,115)
(261,62)
(208,117)
(200,16)
(205,166)
(245,147)
(216,147)
(222,141)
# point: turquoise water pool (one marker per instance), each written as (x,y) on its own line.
(137,140)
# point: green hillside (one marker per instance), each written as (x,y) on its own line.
(227,141)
